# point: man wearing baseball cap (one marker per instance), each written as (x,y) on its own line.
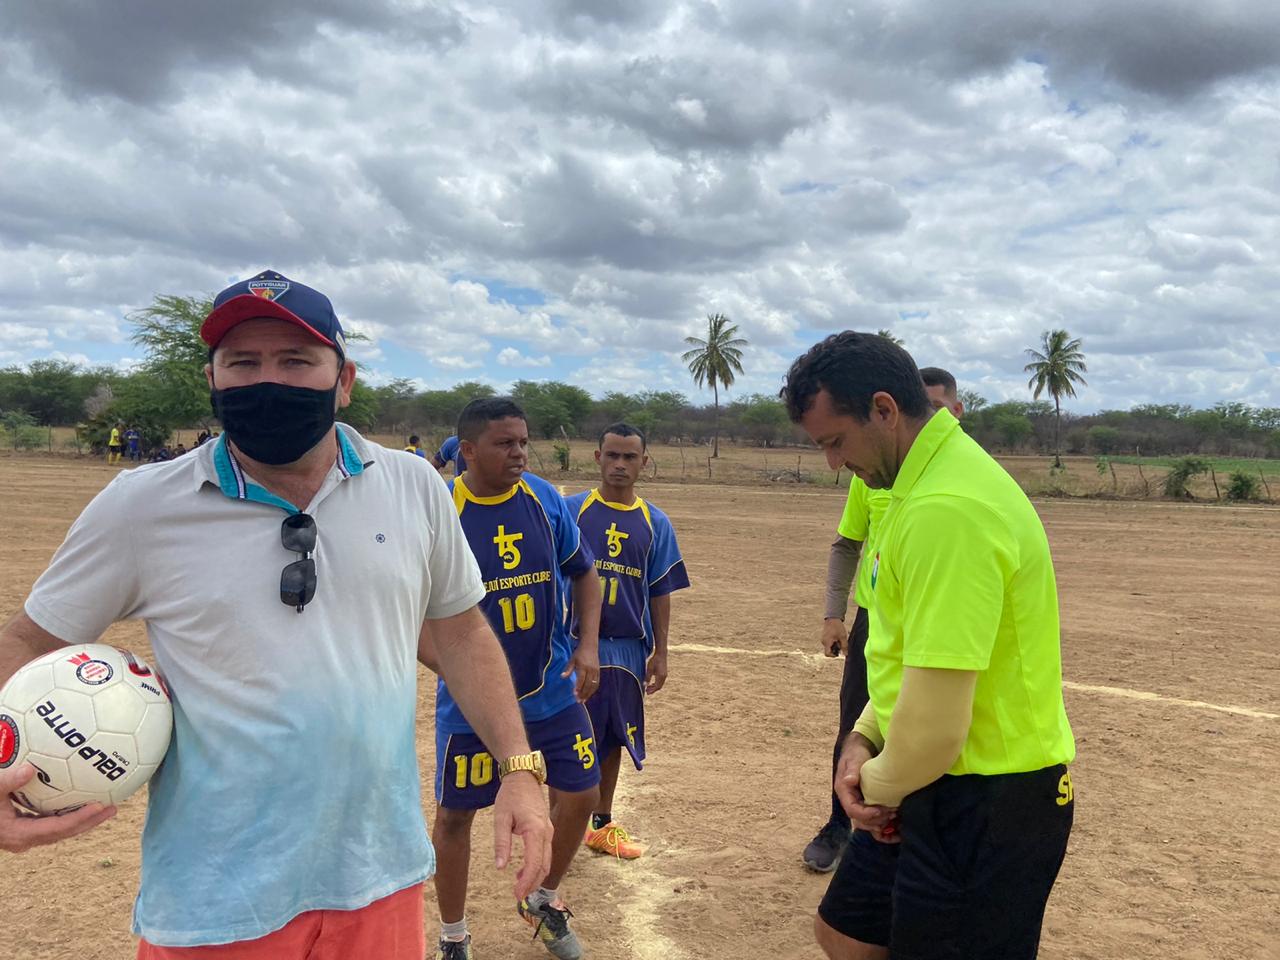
(286,820)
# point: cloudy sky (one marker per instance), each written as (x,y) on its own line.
(565,188)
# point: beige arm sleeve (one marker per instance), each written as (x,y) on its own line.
(929,727)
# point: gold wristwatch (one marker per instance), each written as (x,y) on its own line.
(527,762)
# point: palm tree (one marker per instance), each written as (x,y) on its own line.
(888,335)
(715,360)
(1057,367)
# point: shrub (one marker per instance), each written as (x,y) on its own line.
(562,455)
(1243,486)
(30,438)
(1180,474)
(21,430)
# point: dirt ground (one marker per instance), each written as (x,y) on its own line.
(1177,834)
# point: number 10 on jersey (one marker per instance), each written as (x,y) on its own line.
(517,612)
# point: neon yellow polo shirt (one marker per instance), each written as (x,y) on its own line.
(963,580)
(863,509)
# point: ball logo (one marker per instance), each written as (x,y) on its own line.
(94,673)
(8,740)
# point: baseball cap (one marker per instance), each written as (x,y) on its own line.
(273,296)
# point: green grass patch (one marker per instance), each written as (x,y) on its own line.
(1220,464)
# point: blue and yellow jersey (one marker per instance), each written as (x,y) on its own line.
(637,557)
(523,540)
(451,450)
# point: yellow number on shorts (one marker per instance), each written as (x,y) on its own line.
(1066,790)
(517,614)
(609,587)
(480,767)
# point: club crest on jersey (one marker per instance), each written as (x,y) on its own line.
(615,538)
(268,289)
(507,549)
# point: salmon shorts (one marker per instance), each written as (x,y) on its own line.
(387,929)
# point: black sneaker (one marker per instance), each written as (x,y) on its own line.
(824,851)
(454,949)
(550,922)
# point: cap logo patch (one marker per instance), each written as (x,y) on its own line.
(268,289)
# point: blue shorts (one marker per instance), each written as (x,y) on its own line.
(617,713)
(467,774)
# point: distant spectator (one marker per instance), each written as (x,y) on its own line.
(415,447)
(201,438)
(179,450)
(114,443)
(133,444)
(160,454)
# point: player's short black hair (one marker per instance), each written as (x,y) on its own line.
(414,439)
(621,429)
(852,367)
(482,411)
(937,377)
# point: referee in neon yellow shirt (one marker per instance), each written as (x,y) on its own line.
(955,776)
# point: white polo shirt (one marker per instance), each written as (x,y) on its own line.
(292,780)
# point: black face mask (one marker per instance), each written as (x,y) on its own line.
(272,422)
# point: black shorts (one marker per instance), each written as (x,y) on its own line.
(971,877)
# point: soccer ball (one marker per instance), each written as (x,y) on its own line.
(93,720)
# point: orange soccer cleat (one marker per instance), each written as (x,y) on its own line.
(613,841)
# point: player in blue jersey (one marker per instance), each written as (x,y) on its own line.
(133,444)
(640,566)
(525,541)
(450,452)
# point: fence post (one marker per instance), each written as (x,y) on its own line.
(1216,492)
(1266,486)
(708,468)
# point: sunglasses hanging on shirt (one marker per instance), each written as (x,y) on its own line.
(298,579)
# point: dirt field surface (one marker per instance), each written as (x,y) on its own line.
(1172,663)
